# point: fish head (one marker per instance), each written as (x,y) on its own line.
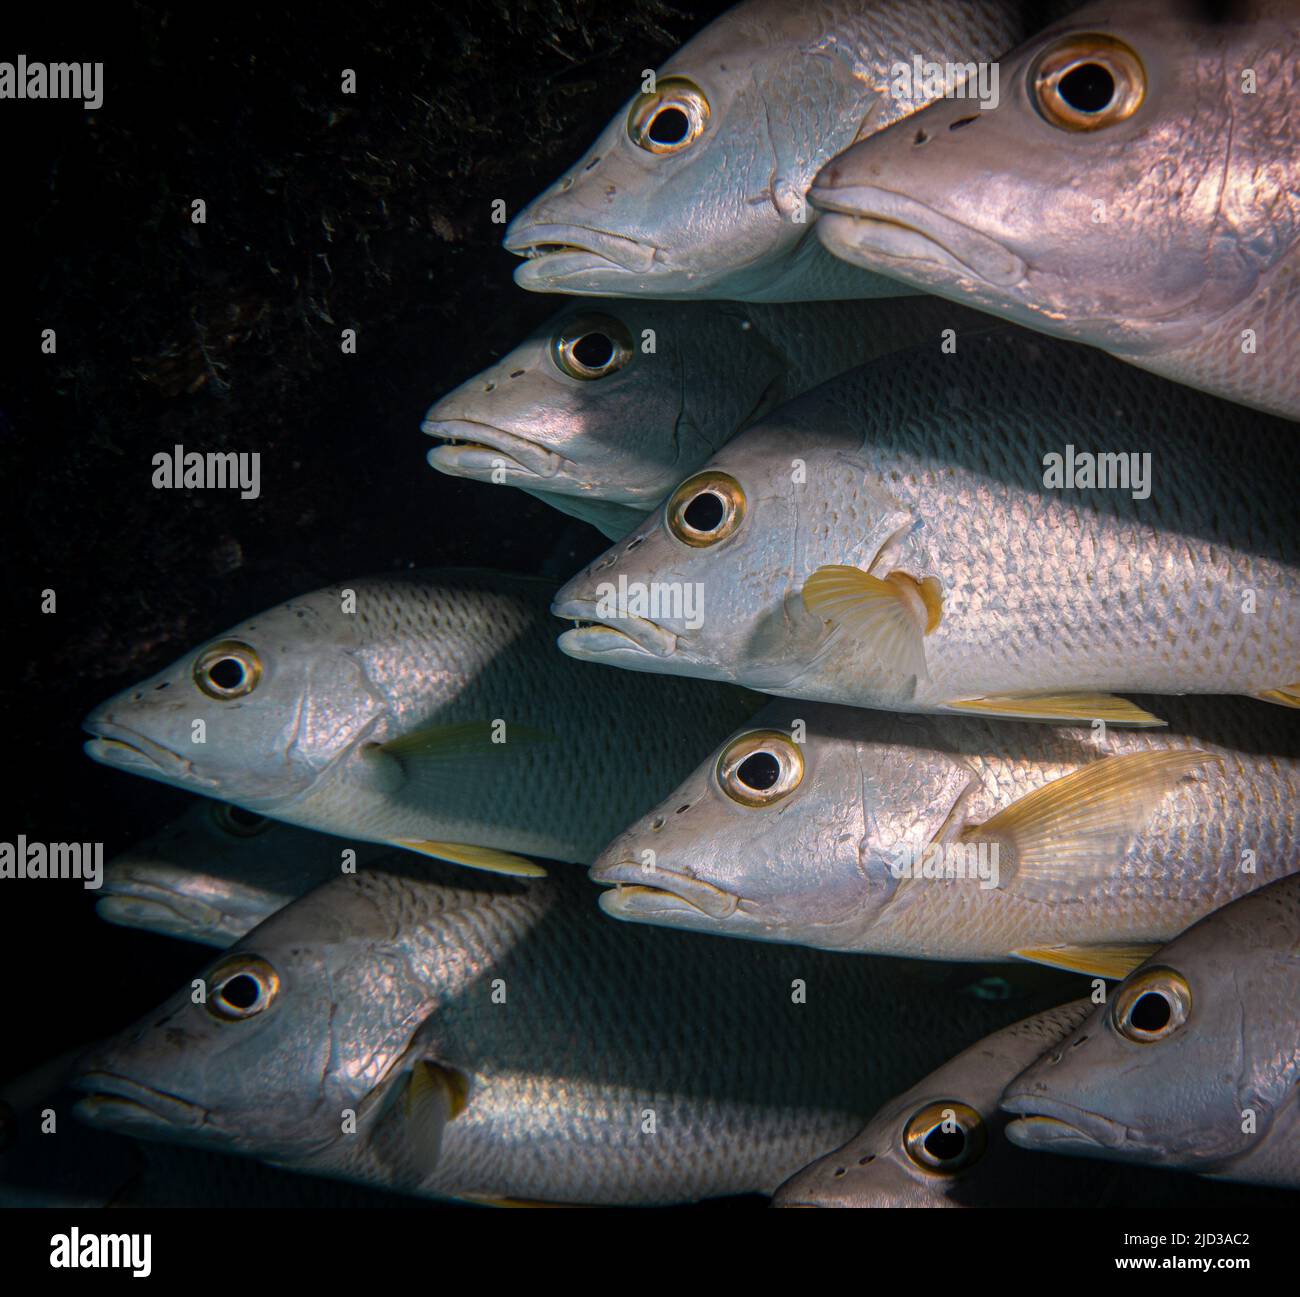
(941,1143)
(696,187)
(309,1018)
(786,833)
(253,716)
(616,402)
(1095,201)
(710,585)
(1148,1077)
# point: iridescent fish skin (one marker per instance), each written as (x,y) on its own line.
(1165,231)
(607,442)
(772,91)
(822,863)
(938,468)
(1193,1063)
(589,1062)
(897,1159)
(328,696)
(218,871)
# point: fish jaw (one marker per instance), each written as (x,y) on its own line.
(1048,1125)
(114,1102)
(163,900)
(124,749)
(478,450)
(671,895)
(566,258)
(634,642)
(878,229)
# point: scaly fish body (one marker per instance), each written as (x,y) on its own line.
(218,871)
(833,851)
(697,187)
(932,473)
(506,1041)
(1192,1063)
(435,716)
(668,384)
(1137,188)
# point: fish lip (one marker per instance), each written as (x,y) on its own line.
(125,894)
(1041,1123)
(636,634)
(874,215)
(526,458)
(628,879)
(554,251)
(109,1092)
(122,748)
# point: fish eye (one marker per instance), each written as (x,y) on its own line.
(760,768)
(238,822)
(1087,82)
(229,669)
(705,509)
(592,346)
(1151,1005)
(944,1138)
(241,987)
(670,118)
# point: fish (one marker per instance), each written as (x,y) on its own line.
(697,186)
(985,531)
(1137,188)
(1193,1062)
(949,838)
(218,871)
(490,1039)
(600,413)
(426,711)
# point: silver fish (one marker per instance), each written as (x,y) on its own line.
(1137,188)
(947,838)
(507,1043)
(1194,1061)
(427,711)
(218,871)
(601,413)
(697,187)
(931,533)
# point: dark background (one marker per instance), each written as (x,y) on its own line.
(325,211)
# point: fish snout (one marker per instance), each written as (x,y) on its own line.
(479,450)
(646,889)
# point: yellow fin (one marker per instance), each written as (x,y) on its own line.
(454,742)
(408,1135)
(462,853)
(486,1200)
(1084,708)
(892,615)
(1288,697)
(1115,962)
(1074,830)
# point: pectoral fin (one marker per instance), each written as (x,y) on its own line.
(456,742)
(1114,962)
(1288,697)
(1075,830)
(408,1134)
(1082,708)
(486,858)
(891,615)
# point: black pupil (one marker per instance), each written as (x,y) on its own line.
(1150,1012)
(227,673)
(669,126)
(241,991)
(593,350)
(1087,88)
(759,771)
(944,1145)
(245,819)
(705,512)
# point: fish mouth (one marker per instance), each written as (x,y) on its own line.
(879,229)
(119,1103)
(138,901)
(1049,1124)
(124,749)
(554,253)
(595,636)
(477,450)
(631,896)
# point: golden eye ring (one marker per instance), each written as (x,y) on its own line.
(705,509)
(1087,82)
(760,768)
(944,1138)
(228,669)
(670,118)
(589,347)
(241,987)
(1151,1005)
